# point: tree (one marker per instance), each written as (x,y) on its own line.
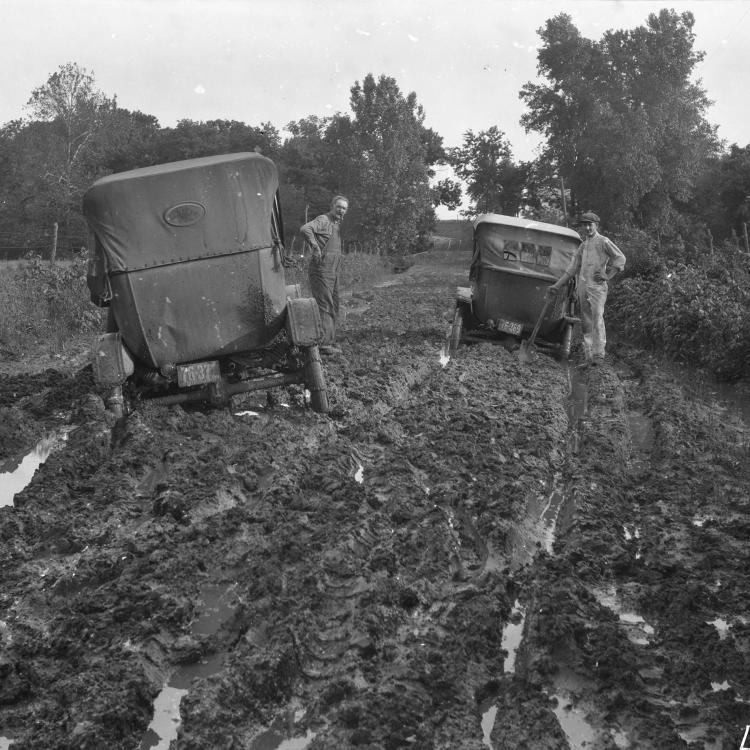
(382,156)
(447,192)
(67,108)
(494,181)
(191,139)
(625,125)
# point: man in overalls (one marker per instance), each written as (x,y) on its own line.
(596,262)
(323,237)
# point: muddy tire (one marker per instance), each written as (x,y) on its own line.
(457,328)
(315,380)
(567,339)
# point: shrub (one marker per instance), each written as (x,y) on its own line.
(695,314)
(45,302)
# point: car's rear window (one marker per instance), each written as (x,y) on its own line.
(534,254)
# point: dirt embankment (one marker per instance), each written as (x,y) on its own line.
(481,554)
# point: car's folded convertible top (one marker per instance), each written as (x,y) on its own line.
(171,213)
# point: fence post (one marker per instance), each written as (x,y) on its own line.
(53,251)
(736,240)
(710,241)
(744,236)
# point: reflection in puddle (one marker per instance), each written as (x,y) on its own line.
(163,727)
(579,733)
(280,735)
(512,636)
(488,722)
(538,528)
(721,625)
(16,475)
(214,610)
(636,628)
(271,740)
(577,403)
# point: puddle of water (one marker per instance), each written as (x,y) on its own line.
(18,477)
(444,357)
(166,721)
(271,740)
(579,732)
(538,528)
(163,727)
(577,396)
(248,413)
(636,628)
(488,722)
(5,743)
(214,609)
(719,686)
(359,474)
(512,636)
(721,625)
(280,734)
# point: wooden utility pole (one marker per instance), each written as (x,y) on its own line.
(53,252)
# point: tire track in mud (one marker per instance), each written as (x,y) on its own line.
(352,580)
(625,625)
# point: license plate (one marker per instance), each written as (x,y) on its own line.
(509,327)
(198,374)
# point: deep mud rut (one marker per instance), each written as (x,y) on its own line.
(478,554)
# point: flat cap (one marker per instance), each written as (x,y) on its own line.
(588,216)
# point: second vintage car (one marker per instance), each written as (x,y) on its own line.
(514,262)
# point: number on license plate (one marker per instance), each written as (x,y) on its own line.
(198,374)
(509,327)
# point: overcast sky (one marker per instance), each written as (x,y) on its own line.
(281,60)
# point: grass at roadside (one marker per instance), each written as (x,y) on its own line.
(45,305)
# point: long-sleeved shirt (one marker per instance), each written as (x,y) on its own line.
(597,253)
(323,233)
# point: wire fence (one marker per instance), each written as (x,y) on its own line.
(48,245)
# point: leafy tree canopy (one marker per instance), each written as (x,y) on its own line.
(624,122)
(494,181)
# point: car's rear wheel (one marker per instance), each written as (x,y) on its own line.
(457,328)
(315,380)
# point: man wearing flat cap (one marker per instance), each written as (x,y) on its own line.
(595,262)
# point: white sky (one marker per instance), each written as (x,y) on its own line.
(281,60)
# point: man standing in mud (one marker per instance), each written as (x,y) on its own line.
(596,262)
(324,239)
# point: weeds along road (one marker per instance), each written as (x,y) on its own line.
(457,557)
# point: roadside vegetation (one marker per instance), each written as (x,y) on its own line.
(45,304)
(626,134)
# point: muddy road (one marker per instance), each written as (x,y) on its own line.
(470,554)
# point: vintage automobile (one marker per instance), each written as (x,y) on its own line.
(514,263)
(189,259)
